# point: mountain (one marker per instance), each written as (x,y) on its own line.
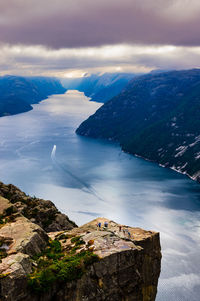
(156,117)
(18,93)
(99,88)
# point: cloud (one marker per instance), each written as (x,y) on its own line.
(89,23)
(33,60)
(57,37)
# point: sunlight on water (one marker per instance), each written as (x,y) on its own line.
(86,178)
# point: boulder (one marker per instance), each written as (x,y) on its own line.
(13,271)
(26,237)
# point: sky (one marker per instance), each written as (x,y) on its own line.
(69,38)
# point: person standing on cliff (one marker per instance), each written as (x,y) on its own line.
(106,224)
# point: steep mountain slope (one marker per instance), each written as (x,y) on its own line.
(100,88)
(156,117)
(18,93)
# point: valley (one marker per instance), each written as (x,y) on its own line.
(88,178)
(155,117)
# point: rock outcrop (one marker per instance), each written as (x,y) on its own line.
(13,272)
(24,237)
(85,263)
(41,212)
(129,264)
(112,262)
(20,239)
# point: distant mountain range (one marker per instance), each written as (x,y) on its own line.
(18,93)
(99,88)
(157,117)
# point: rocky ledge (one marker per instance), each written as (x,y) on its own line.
(39,211)
(111,262)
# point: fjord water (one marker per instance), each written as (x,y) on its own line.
(86,178)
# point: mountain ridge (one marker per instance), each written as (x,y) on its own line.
(99,87)
(18,93)
(155,117)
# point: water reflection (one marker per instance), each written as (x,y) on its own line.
(87,178)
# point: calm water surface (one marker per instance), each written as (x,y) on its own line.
(86,178)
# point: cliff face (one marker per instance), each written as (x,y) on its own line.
(128,268)
(155,117)
(86,263)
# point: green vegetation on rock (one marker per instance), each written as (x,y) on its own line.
(54,265)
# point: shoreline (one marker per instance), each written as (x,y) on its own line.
(194,178)
(162,165)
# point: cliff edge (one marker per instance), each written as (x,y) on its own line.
(100,260)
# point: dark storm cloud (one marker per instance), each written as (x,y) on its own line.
(60,37)
(83,23)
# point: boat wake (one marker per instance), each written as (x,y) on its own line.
(53,153)
(85,187)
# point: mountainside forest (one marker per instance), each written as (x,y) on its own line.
(18,93)
(156,117)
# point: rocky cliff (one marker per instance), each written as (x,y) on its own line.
(82,263)
(41,212)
